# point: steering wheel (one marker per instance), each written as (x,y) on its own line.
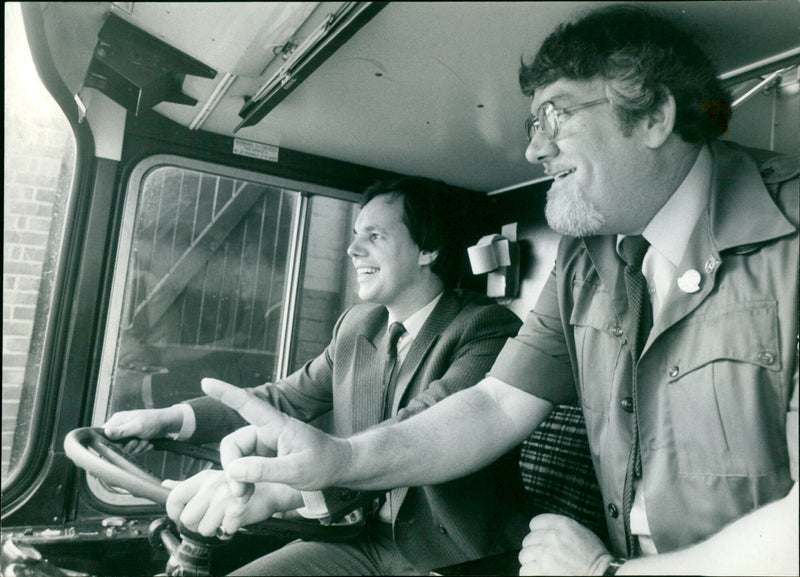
(109,463)
(93,452)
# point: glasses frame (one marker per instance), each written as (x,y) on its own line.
(533,122)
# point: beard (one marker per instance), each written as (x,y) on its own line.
(568,212)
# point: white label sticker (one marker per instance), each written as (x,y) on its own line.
(255,149)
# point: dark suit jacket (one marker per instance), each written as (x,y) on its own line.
(434,526)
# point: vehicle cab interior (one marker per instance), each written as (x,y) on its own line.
(181,185)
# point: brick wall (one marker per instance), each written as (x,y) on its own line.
(38,165)
(327,287)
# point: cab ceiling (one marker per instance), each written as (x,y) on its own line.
(426,88)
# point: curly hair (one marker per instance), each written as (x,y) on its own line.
(643,57)
(430,212)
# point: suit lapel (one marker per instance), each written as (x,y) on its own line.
(440,318)
(366,375)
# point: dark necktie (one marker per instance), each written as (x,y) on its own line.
(396,330)
(640,314)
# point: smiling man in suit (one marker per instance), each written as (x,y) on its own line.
(405,258)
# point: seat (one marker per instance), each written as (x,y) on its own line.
(557,470)
(558,476)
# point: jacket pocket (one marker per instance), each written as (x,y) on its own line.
(725,397)
(598,344)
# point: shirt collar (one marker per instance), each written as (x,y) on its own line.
(671,228)
(742,210)
(414,323)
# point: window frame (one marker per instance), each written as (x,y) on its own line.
(124,233)
(31,468)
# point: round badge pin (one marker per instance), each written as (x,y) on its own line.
(689,282)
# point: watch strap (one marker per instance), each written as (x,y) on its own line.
(614,566)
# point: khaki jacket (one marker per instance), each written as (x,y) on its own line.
(718,394)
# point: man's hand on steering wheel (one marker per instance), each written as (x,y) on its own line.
(141,425)
(205,504)
(275,447)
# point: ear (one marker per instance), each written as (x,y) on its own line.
(427,257)
(659,124)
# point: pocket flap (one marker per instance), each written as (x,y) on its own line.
(749,334)
(593,307)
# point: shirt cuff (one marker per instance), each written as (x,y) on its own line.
(189,423)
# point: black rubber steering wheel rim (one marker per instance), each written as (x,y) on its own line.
(111,465)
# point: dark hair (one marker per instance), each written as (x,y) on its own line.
(428,211)
(644,57)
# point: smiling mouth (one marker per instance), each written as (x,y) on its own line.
(365,271)
(563,174)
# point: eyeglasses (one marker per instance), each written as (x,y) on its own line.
(546,119)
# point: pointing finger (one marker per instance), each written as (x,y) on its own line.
(250,470)
(279,470)
(253,409)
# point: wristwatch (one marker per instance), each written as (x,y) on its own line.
(614,566)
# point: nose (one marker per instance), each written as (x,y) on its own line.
(354,248)
(540,149)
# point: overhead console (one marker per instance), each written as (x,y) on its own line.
(138,70)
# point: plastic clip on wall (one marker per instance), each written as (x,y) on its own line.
(498,255)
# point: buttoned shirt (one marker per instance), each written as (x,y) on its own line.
(669,233)
(717,395)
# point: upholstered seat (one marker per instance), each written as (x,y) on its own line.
(558,473)
(558,476)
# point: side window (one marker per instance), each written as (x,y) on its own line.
(328,284)
(38,169)
(220,273)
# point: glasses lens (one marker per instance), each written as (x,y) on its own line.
(531,124)
(548,119)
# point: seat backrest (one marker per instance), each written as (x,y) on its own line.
(557,470)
